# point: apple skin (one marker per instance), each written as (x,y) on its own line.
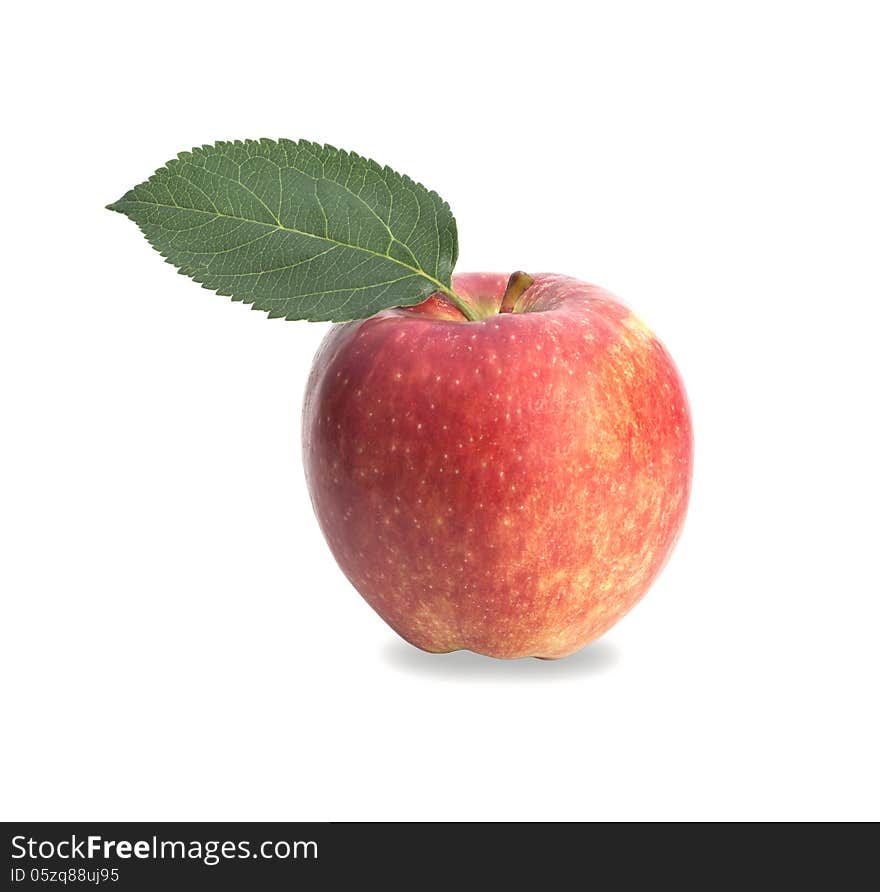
(510,486)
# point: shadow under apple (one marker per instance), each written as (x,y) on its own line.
(594,659)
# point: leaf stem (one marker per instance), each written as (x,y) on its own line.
(460,304)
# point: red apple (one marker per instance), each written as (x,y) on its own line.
(511,486)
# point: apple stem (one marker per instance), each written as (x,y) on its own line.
(517,285)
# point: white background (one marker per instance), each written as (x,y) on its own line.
(177,641)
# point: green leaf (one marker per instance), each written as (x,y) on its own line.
(300,230)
